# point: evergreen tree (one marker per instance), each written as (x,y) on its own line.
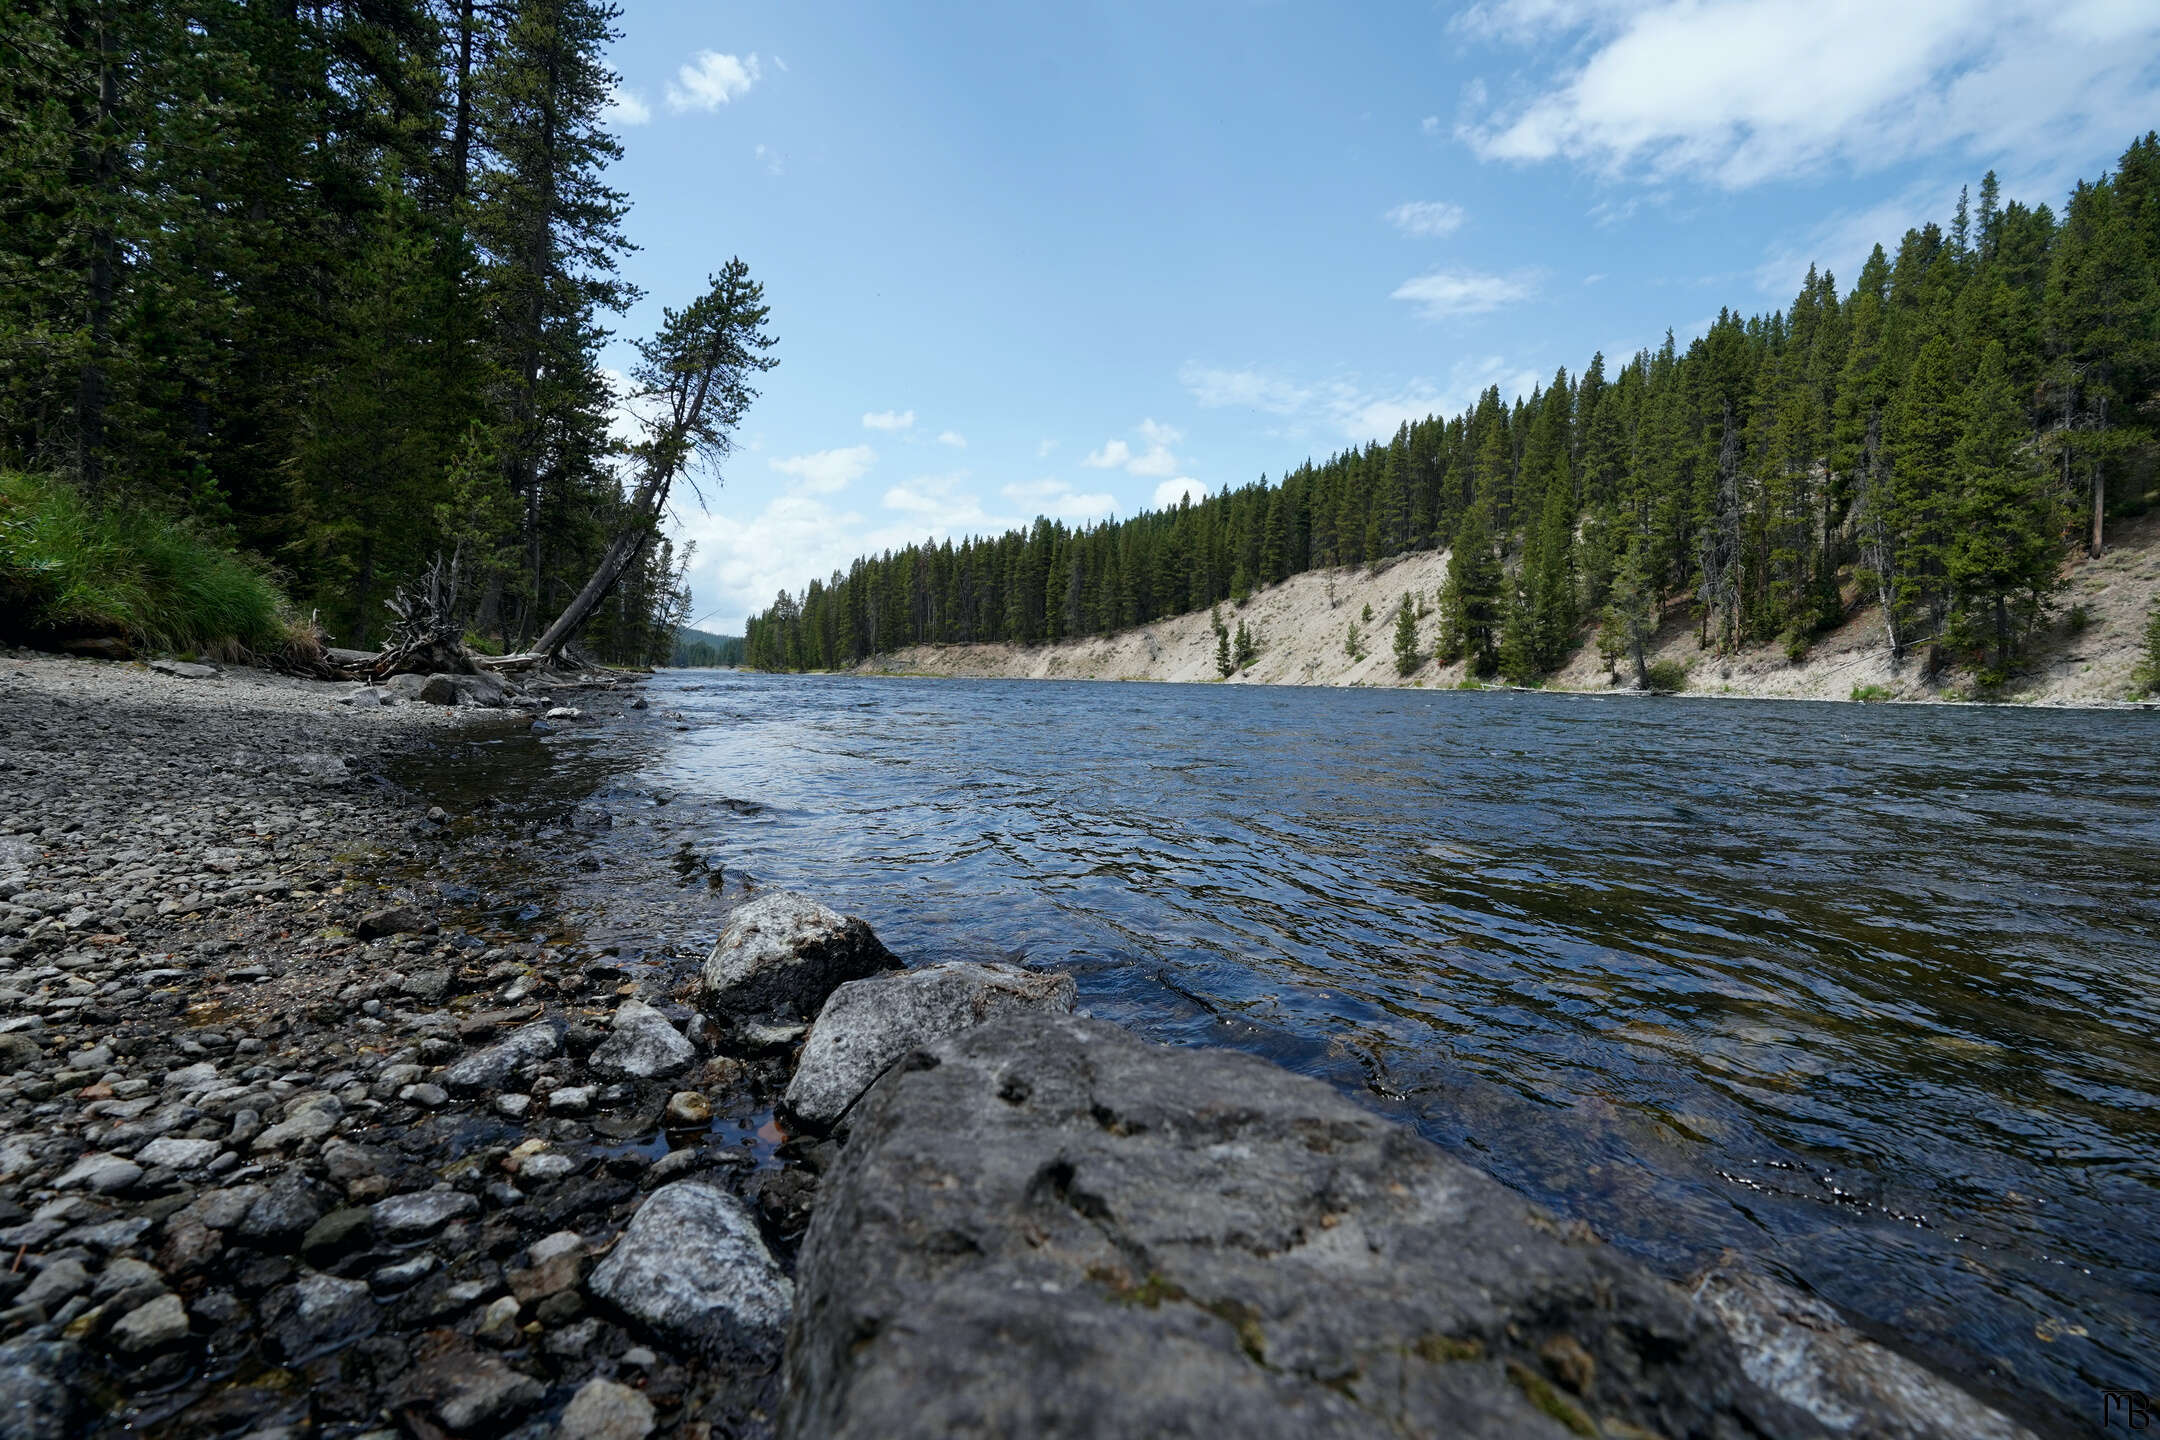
(2004,555)
(1407,658)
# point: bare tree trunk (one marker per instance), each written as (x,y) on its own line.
(645,512)
(2097,543)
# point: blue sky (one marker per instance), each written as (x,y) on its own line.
(1074,259)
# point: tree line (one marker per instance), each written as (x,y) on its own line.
(332,280)
(1933,439)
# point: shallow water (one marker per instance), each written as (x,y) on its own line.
(1869,994)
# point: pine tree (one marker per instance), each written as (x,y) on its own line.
(2004,556)
(1407,658)
(1470,602)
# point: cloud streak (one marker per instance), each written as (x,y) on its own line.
(1427,219)
(1450,294)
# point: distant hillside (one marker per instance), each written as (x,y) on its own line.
(2086,653)
(703,650)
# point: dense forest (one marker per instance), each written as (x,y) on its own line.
(329,283)
(1933,440)
(703,650)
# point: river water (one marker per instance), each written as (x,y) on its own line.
(1870,995)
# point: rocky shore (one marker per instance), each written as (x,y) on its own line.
(292,1144)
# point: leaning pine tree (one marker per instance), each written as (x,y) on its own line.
(690,389)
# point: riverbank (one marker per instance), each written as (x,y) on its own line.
(289,1142)
(1303,628)
(302,1134)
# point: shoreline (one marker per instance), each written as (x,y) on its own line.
(261,1170)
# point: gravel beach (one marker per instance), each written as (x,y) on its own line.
(283,1148)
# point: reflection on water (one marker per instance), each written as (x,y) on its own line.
(1870,994)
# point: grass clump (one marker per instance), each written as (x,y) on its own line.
(1871,694)
(69,569)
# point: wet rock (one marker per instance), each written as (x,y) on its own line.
(184,669)
(316,1314)
(308,1116)
(37,1393)
(391,920)
(781,955)
(571,1100)
(439,690)
(336,1235)
(869,1024)
(487,1069)
(466,1388)
(404,1218)
(606,1410)
(687,1109)
(18,1051)
(693,1269)
(101,1173)
(159,1325)
(57,1283)
(644,1045)
(282,1216)
(1046,1225)
(1797,1348)
(427,1095)
(179,1154)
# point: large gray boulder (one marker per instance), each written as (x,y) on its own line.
(869,1024)
(781,955)
(1044,1226)
(693,1270)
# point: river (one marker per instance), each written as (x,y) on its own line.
(1870,995)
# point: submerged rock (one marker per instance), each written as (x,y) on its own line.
(782,955)
(693,1269)
(1796,1347)
(869,1024)
(37,1393)
(1044,1225)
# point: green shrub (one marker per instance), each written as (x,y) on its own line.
(1797,643)
(1666,676)
(2079,618)
(1871,694)
(69,569)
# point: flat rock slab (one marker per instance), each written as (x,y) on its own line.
(185,669)
(693,1269)
(1043,1225)
(782,954)
(869,1024)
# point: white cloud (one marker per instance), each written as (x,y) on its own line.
(1183,487)
(1444,294)
(1156,460)
(1346,406)
(1053,497)
(824,471)
(774,162)
(1430,125)
(711,80)
(1044,447)
(1428,219)
(953,438)
(889,420)
(1739,92)
(626,107)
